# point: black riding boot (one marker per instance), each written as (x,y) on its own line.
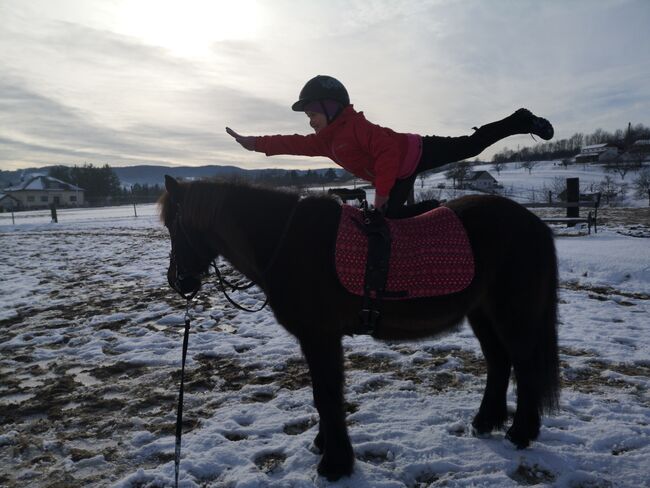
(523,121)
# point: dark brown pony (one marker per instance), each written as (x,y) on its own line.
(286,246)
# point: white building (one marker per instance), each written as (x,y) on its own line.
(598,152)
(39,191)
(481,180)
(642,146)
(8,203)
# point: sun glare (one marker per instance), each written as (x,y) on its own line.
(189,27)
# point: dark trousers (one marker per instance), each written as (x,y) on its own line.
(438,151)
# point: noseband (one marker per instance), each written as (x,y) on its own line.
(182,272)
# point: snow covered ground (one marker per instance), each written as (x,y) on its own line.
(523,186)
(90,344)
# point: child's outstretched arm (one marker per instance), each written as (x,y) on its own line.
(248,142)
(295,144)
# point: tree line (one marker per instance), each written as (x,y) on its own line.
(295,178)
(567,148)
(100,183)
(103,187)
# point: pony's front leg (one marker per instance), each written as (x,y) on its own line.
(324,356)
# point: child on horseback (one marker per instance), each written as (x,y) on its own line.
(389,160)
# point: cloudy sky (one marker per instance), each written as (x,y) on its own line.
(156,81)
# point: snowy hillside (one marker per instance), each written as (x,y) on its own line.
(524,186)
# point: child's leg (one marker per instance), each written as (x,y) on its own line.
(438,151)
(399,194)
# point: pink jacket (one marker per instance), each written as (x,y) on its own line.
(369,151)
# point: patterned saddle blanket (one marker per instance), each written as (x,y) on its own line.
(430,254)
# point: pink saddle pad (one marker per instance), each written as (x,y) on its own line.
(430,254)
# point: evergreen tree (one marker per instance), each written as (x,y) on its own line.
(101,184)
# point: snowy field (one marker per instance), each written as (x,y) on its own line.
(90,345)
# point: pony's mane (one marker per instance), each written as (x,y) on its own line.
(204,199)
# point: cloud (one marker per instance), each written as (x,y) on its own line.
(73,86)
(125,103)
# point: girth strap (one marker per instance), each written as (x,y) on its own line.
(376,228)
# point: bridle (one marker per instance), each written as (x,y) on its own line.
(183,273)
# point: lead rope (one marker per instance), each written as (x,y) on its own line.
(179,411)
(223,282)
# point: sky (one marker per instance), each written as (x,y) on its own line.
(126,82)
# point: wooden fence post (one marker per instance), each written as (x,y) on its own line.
(55,220)
(572,196)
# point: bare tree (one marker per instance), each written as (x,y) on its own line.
(498,166)
(458,173)
(642,184)
(558,185)
(529,165)
(576,141)
(608,188)
(623,164)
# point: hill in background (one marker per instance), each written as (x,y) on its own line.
(152,175)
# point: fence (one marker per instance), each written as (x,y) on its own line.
(80,214)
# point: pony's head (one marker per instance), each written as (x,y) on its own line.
(190,256)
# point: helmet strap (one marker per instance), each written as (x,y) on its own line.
(329,117)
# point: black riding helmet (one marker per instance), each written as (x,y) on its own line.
(321,87)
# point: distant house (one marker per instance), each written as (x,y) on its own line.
(481,180)
(640,147)
(635,155)
(598,152)
(8,203)
(39,191)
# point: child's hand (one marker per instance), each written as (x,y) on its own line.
(248,142)
(380,200)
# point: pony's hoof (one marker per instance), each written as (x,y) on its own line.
(480,433)
(335,470)
(482,427)
(520,442)
(337,463)
(319,443)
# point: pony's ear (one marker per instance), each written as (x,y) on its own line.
(172,187)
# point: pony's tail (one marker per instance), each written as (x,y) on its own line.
(547,347)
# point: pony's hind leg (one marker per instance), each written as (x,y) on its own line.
(324,355)
(493,411)
(527,421)
(536,366)
(531,341)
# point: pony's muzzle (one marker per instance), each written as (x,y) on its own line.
(183,285)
